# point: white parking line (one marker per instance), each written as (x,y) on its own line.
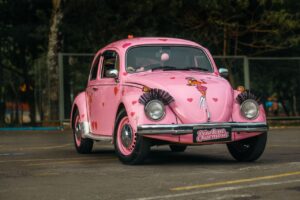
(221,189)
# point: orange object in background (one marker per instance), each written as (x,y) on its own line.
(12,109)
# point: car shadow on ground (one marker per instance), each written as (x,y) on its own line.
(161,157)
(164,156)
(167,157)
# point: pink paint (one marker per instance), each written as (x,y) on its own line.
(116,90)
(187,88)
(189,99)
(124,149)
(132,114)
(126,45)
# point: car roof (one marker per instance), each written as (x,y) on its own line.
(126,43)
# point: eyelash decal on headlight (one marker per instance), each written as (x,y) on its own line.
(247,94)
(151,94)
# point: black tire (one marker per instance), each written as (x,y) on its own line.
(82,145)
(178,148)
(140,145)
(249,149)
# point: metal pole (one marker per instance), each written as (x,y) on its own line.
(61,88)
(246,73)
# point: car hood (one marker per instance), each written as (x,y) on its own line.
(206,92)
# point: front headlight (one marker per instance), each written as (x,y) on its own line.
(249,109)
(155,110)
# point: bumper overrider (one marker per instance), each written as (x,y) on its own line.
(182,129)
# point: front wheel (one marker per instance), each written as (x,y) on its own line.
(82,145)
(249,149)
(130,147)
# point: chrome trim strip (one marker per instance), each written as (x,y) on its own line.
(100,138)
(254,129)
(84,128)
(180,129)
(85,133)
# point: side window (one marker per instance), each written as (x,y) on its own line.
(94,69)
(110,61)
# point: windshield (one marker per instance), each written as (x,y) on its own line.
(143,58)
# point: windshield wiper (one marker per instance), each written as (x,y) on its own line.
(165,68)
(195,68)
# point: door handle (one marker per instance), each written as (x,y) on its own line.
(95,89)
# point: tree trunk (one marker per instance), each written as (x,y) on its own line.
(52,90)
(225,53)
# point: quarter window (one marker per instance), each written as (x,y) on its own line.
(94,70)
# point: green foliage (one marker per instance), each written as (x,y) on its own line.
(23,38)
(245,27)
(225,27)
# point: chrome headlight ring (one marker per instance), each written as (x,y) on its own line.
(155,110)
(249,109)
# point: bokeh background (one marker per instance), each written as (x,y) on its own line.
(46,47)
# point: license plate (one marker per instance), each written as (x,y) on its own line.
(212,135)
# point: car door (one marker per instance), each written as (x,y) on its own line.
(103,94)
(109,88)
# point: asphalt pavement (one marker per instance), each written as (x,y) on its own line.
(44,165)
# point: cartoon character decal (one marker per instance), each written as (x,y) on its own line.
(202,89)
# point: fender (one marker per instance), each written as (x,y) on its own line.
(237,117)
(236,114)
(81,104)
(137,116)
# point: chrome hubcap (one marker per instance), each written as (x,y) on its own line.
(126,135)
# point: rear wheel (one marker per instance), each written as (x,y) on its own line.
(177,148)
(130,147)
(249,149)
(82,145)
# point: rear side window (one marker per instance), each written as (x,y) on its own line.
(94,69)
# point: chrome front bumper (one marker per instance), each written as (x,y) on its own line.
(182,129)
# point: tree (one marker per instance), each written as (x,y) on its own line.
(22,41)
(54,43)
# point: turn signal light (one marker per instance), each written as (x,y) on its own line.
(240,88)
(146,89)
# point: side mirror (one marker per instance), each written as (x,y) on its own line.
(223,72)
(111,73)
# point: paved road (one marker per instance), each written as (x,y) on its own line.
(44,165)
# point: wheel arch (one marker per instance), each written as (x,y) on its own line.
(74,109)
(120,107)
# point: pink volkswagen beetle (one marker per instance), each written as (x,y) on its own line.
(164,91)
